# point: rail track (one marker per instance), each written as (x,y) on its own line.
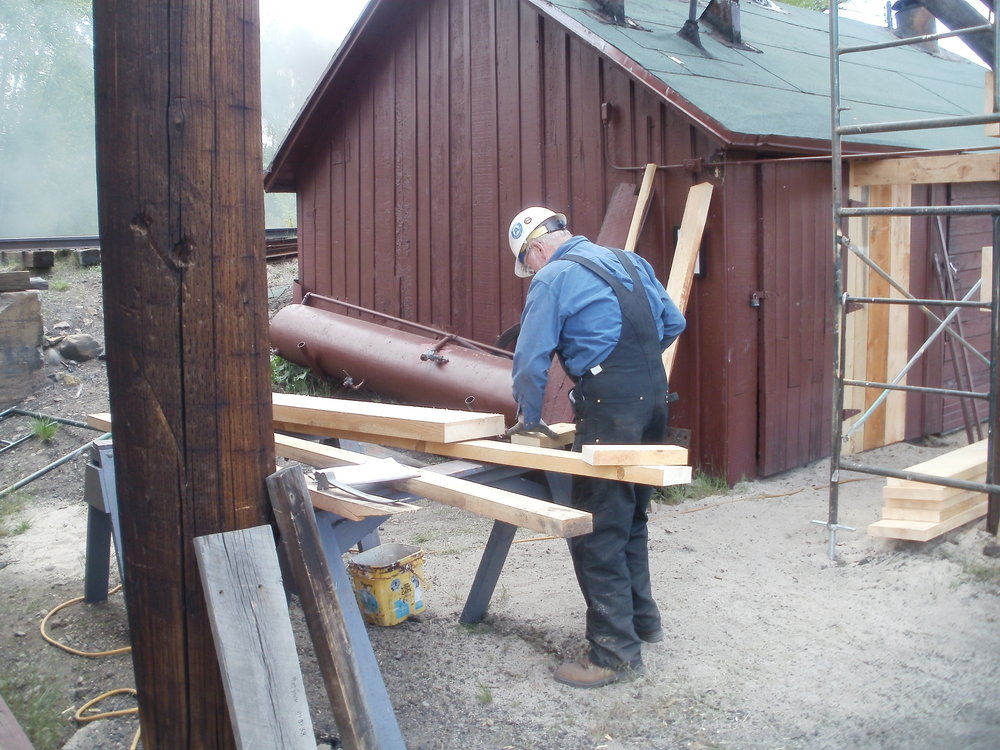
(280,243)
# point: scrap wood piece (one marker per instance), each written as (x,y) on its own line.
(501,505)
(618,216)
(634,455)
(253,639)
(416,422)
(641,208)
(527,457)
(347,662)
(351,507)
(686,256)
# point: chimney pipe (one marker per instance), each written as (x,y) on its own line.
(913,19)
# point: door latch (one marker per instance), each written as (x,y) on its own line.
(756,297)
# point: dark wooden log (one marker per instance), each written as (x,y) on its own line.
(182,239)
(354,684)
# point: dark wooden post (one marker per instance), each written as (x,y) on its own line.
(182,238)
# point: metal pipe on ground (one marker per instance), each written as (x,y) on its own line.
(403,366)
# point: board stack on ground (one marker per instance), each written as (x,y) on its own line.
(919,511)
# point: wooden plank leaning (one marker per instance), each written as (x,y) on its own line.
(253,639)
(686,255)
(350,671)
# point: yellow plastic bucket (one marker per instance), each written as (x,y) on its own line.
(388,583)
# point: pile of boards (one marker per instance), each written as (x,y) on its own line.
(919,511)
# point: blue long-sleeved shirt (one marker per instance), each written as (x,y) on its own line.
(571,310)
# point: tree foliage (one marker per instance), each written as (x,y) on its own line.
(47,166)
(48,181)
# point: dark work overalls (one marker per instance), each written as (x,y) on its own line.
(624,403)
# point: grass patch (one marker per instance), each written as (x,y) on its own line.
(36,706)
(58,286)
(702,485)
(44,429)
(483,694)
(10,506)
(288,377)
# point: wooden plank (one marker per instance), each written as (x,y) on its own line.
(641,207)
(501,505)
(614,229)
(986,290)
(527,457)
(350,671)
(976,167)
(923,531)
(254,640)
(634,455)
(856,326)
(897,353)
(12,737)
(686,255)
(416,422)
(933,513)
(15,281)
(967,462)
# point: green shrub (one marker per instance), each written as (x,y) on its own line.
(288,377)
(702,485)
(44,429)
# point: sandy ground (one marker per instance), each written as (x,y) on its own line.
(771,644)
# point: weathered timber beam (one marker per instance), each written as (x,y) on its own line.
(416,422)
(926,170)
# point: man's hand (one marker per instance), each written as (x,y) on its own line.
(520,426)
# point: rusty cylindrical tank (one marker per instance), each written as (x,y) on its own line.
(403,366)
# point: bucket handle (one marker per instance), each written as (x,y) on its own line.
(408,568)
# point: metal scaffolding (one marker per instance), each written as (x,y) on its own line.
(942,311)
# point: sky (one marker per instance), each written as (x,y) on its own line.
(330,19)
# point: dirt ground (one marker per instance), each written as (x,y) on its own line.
(770,643)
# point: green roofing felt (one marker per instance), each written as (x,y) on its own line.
(784,90)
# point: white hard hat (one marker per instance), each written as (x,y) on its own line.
(528,225)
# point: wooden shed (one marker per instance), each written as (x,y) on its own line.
(436,121)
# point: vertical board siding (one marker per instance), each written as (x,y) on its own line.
(509,116)
(797,335)
(460,158)
(407,169)
(423,179)
(483,224)
(966,237)
(439,251)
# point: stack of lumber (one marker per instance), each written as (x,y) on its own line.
(461,434)
(919,511)
(457,434)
